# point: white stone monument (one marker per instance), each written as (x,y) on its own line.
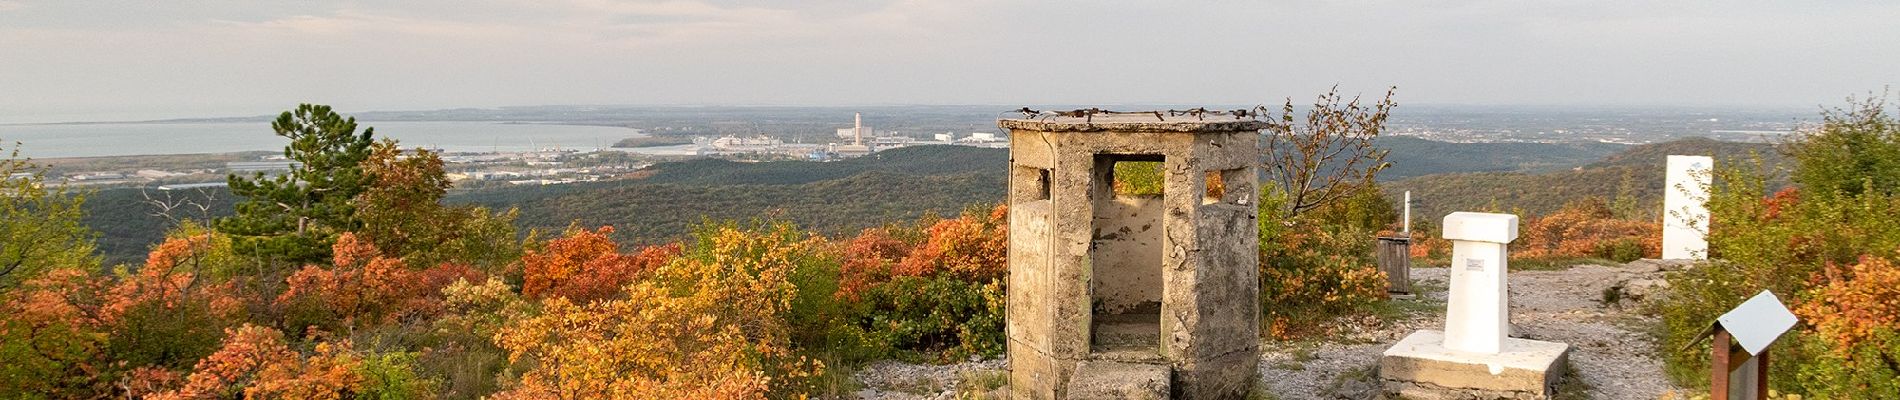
(1474,355)
(1477,316)
(1685,208)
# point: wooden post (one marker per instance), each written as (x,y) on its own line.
(1761,374)
(1395,258)
(1718,365)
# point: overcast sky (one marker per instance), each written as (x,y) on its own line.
(78,60)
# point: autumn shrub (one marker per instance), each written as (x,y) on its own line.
(1855,318)
(173,310)
(711,324)
(1587,228)
(461,353)
(51,339)
(1311,273)
(362,287)
(868,260)
(256,362)
(587,265)
(939,298)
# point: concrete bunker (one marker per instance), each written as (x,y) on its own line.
(1121,286)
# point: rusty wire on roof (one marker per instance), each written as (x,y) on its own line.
(1199,113)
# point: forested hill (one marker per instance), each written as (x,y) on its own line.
(832,197)
(1633,176)
(1413,157)
(916,160)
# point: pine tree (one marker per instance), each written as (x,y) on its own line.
(296,217)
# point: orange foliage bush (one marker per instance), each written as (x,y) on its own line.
(257,363)
(1586,228)
(585,266)
(51,339)
(171,275)
(1854,302)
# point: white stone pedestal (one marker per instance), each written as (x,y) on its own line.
(1477,316)
(1474,357)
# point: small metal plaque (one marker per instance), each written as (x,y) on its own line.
(1475,264)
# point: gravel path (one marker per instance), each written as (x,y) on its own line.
(1613,361)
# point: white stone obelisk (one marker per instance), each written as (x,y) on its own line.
(1477,316)
(1685,208)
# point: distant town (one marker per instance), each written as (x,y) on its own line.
(551,165)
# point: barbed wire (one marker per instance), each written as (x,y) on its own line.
(1199,113)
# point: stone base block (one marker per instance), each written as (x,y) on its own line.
(1120,380)
(1420,367)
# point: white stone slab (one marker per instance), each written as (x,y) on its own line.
(1517,354)
(1685,208)
(1421,367)
(1480,227)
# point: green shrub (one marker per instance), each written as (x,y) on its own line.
(942,316)
(1621,250)
(393,376)
(1867,371)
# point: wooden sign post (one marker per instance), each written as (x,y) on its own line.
(1738,365)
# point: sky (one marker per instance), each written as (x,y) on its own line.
(107,60)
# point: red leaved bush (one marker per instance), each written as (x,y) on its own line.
(868,260)
(585,266)
(366,287)
(972,247)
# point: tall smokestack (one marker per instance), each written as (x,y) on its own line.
(857,129)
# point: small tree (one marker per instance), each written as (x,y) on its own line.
(1329,155)
(39,226)
(296,217)
(1855,149)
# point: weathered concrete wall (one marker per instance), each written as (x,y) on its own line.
(1127,254)
(1191,255)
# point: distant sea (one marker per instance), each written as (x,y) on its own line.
(124,139)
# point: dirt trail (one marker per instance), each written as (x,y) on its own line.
(1609,353)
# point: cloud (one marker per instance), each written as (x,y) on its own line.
(6,6)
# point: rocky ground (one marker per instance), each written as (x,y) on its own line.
(1610,356)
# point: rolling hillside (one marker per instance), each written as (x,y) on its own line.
(1635,174)
(832,197)
(1414,157)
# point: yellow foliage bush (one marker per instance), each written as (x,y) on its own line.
(707,326)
